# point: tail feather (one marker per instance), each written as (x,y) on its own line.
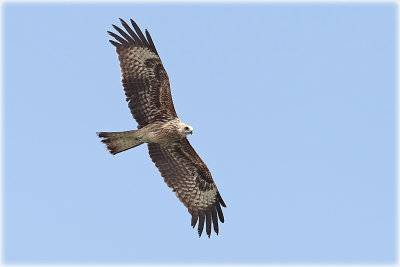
(117,142)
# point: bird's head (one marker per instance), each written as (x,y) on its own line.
(185,129)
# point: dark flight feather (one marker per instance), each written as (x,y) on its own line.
(118,38)
(124,34)
(130,31)
(220,214)
(139,32)
(201,223)
(215,220)
(114,43)
(208,223)
(151,41)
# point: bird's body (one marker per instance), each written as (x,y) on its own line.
(165,132)
(148,94)
(158,132)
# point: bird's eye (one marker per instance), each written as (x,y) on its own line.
(186,128)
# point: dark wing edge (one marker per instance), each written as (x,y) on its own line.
(131,37)
(187,175)
(145,81)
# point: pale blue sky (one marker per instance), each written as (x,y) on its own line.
(293,107)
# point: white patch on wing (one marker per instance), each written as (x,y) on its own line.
(142,53)
(132,61)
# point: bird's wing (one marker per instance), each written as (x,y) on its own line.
(144,78)
(188,176)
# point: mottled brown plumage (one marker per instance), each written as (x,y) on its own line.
(147,90)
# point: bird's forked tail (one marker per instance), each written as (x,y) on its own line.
(120,141)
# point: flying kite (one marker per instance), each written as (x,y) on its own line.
(148,94)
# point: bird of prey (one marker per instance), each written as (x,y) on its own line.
(148,94)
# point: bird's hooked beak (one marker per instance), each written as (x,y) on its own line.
(191,132)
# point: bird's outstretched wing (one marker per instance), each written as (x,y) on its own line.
(188,176)
(144,78)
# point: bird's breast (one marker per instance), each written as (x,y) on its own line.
(160,134)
